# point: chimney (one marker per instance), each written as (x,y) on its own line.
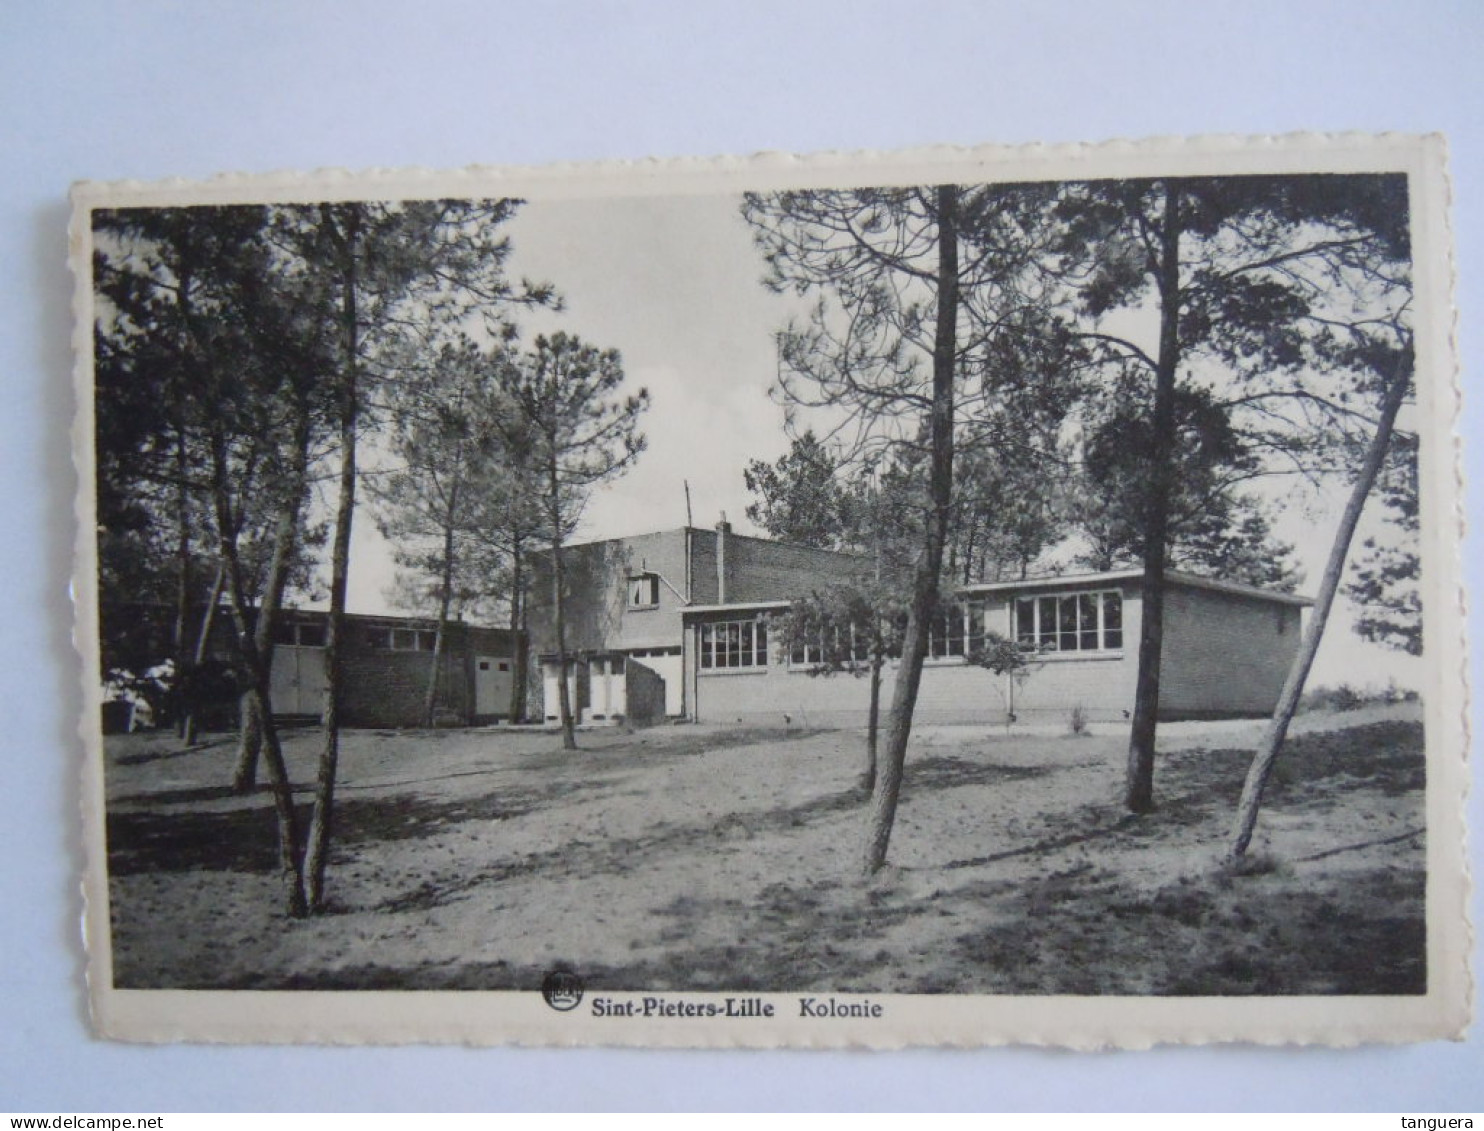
(723,528)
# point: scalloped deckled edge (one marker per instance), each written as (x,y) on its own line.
(481,1018)
(1281,153)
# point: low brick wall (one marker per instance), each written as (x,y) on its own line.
(950,692)
(382,688)
(1226,654)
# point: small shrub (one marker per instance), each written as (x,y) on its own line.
(1285,773)
(1340,698)
(1077,723)
(1254,864)
(1396,694)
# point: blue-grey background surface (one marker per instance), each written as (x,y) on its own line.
(155,88)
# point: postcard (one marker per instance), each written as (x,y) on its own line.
(952,597)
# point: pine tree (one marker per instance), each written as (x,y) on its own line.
(575,430)
(916,291)
(1255,284)
(388,265)
(427,503)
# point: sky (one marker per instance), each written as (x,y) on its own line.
(674,284)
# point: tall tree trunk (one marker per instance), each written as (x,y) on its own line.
(251,661)
(182,681)
(1139,783)
(283,805)
(435,668)
(878,661)
(188,731)
(285,546)
(249,742)
(1298,673)
(558,596)
(564,697)
(873,724)
(517,631)
(930,562)
(257,693)
(317,851)
(440,634)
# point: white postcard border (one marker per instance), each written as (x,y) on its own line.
(475,1017)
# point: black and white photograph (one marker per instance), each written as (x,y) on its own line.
(964,597)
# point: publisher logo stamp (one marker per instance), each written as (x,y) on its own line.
(562,990)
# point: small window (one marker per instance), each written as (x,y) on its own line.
(504,666)
(644,591)
(410,639)
(299,635)
(484,665)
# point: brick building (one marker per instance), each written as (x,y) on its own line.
(626,600)
(1227,649)
(387,661)
(693,608)
(386,665)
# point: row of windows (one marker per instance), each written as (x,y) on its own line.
(1068,622)
(312,635)
(402,639)
(1071,622)
(955,632)
(846,645)
(734,644)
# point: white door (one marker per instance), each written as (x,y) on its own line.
(670,669)
(551,705)
(492,676)
(298,680)
(608,694)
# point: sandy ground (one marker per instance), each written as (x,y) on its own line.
(694,857)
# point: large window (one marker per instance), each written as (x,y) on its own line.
(1071,622)
(842,644)
(734,644)
(957,630)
